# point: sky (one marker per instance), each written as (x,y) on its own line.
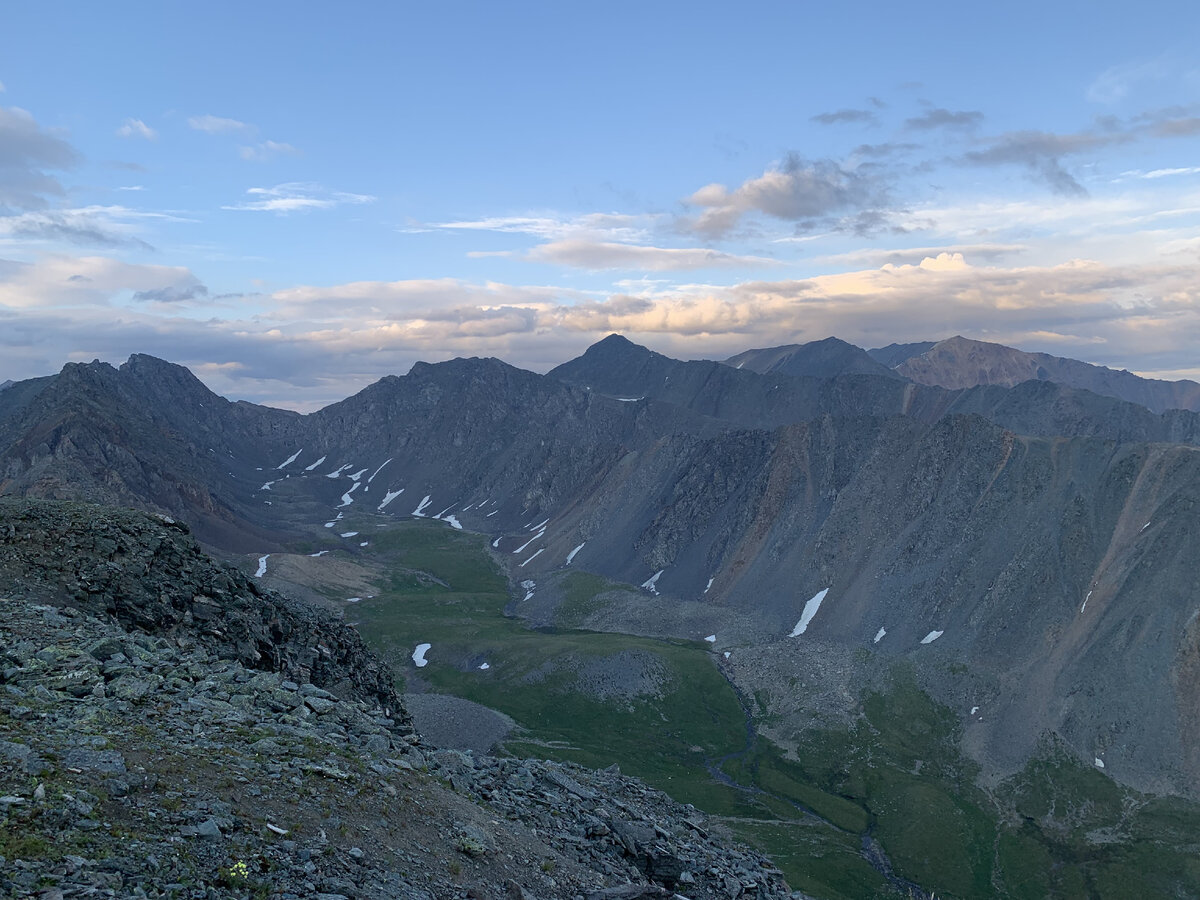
(296,199)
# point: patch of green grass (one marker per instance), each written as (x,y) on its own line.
(817,861)
(582,593)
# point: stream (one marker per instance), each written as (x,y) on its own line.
(870,849)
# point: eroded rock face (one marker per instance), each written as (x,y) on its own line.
(148,574)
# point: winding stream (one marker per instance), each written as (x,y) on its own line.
(870,849)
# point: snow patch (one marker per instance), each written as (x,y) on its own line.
(484,667)
(358,475)
(727,654)
(810,610)
(336,473)
(262,566)
(530,541)
(419,655)
(389,497)
(380,469)
(267,486)
(931,637)
(318,553)
(651,582)
(453,522)
(492,513)
(496,544)
(291,459)
(540,524)
(364,543)
(314,465)
(709,585)
(330,524)
(527,596)
(349,533)
(420,510)
(346,498)
(879,635)
(1099,763)
(974,709)
(1144,527)
(629,399)
(571,555)
(532,558)
(353,599)
(712,638)
(1085,600)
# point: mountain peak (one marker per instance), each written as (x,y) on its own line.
(826,358)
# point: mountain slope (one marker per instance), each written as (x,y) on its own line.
(986,514)
(961,363)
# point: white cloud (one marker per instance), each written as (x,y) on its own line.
(1118,82)
(266,150)
(557,227)
(297,196)
(95,225)
(137,128)
(217,124)
(26,151)
(598,255)
(60,281)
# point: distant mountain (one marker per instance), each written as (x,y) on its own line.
(4,384)
(961,363)
(894,354)
(1042,535)
(817,359)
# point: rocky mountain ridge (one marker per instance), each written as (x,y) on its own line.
(1036,535)
(147,754)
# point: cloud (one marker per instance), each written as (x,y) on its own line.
(137,128)
(173,293)
(798,190)
(847,116)
(83,282)
(266,150)
(1118,82)
(217,125)
(104,226)
(945,118)
(555,227)
(310,345)
(600,255)
(1180,127)
(1041,153)
(297,196)
(26,151)
(879,256)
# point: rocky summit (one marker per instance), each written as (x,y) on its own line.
(151,752)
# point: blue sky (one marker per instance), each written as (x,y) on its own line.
(296,199)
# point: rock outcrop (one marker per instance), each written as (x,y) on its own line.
(146,573)
(147,765)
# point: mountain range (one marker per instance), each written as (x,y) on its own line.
(1018,529)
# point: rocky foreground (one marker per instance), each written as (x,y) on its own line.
(155,761)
